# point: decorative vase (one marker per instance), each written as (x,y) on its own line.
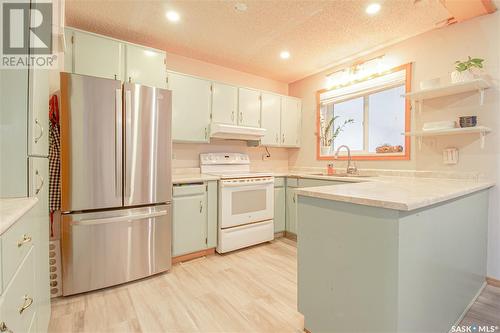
(326,150)
(457,77)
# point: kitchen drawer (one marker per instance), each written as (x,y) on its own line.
(279,182)
(19,295)
(16,243)
(292,182)
(189,189)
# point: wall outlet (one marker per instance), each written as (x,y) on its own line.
(450,156)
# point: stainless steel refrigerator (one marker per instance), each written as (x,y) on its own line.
(116,188)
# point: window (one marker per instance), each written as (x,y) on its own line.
(369,117)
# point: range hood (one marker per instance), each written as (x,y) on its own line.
(225,131)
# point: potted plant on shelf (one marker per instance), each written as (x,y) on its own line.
(328,135)
(466,70)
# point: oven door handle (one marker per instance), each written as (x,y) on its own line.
(240,184)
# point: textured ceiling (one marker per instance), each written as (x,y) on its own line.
(317,33)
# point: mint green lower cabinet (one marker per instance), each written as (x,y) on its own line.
(212,210)
(291,210)
(279,209)
(189,225)
(194,223)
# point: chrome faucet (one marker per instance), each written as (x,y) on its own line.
(351,169)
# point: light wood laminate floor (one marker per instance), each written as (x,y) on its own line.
(252,290)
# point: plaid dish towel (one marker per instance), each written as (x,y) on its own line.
(54,168)
(54,161)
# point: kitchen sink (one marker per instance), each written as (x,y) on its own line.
(343,174)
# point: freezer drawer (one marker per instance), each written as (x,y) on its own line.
(112,247)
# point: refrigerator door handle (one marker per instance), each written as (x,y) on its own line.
(118,143)
(119,218)
(128,135)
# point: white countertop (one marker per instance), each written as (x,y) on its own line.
(12,209)
(399,193)
(192,178)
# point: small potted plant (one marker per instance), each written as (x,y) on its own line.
(466,70)
(328,135)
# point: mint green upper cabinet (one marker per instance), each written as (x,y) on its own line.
(97,56)
(145,66)
(290,121)
(13,133)
(271,115)
(38,129)
(189,220)
(248,107)
(191,99)
(224,103)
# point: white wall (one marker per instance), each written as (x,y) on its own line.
(433,55)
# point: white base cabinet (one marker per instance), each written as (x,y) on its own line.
(194,224)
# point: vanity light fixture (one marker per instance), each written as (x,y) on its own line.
(373,8)
(173,16)
(284,54)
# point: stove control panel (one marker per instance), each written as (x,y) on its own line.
(224,158)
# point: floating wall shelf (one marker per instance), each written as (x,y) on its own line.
(481,130)
(451,89)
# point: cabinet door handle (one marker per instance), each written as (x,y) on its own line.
(41,130)
(201,206)
(4,328)
(232,116)
(26,239)
(241,116)
(294,198)
(42,183)
(206,133)
(283,138)
(277,139)
(115,76)
(28,301)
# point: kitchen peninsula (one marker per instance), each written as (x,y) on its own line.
(397,254)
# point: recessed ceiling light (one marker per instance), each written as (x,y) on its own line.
(284,55)
(173,16)
(240,6)
(373,8)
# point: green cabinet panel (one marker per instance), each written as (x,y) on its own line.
(291,210)
(189,225)
(212,214)
(279,209)
(194,225)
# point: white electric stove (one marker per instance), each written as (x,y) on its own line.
(246,201)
